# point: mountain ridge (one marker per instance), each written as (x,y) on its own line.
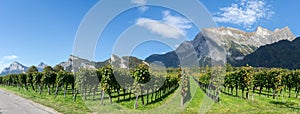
(283,54)
(237,44)
(17,68)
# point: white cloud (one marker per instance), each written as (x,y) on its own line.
(244,12)
(11,57)
(141,4)
(169,27)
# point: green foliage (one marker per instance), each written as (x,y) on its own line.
(1,80)
(32,69)
(141,74)
(58,68)
(108,79)
(61,77)
(281,54)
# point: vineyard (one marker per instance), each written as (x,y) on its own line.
(98,82)
(264,81)
(146,86)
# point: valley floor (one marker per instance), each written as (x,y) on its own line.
(228,103)
(237,105)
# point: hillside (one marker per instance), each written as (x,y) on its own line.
(282,54)
(205,46)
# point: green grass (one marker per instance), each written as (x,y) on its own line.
(127,106)
(237,105)
(59,103)
(170,104)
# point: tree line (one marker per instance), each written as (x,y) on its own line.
(268,81)
(51,78)
(91,82)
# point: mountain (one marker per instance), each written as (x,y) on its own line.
(14,68)
(283,54)
(206,46)
(74,63)
(41,66)
(124,62)
(17,68)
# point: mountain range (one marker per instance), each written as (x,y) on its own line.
(261,48)
(16,68)
(283,54)
(237,45)
(74,63)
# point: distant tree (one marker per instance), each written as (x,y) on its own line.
(60,80)
(275,80)
(58,68)
(32,69)
(260,79)
(288,81)
(49,77)
(1,80)
(69,80)
(296,78)
(37,81)
(22,80)
(30,73)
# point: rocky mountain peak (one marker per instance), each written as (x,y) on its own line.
(42,65)
(14,68)
(237,43)
(262,31)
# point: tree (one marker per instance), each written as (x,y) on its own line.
(49,77)
(22,80)
(1,80)
(107,81)
(58,68)
(30,72)
(260,79)
(60,79)
(141,76)
(296,78)
(69,80)
(236,77)
(245,80)
(289,81)
(275,80)
(81,81)
(37,81)
(32,69)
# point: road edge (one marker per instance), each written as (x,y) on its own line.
(35,104)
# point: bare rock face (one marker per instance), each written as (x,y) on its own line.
(17,68)
(236,44)
(75,63)
(14,68)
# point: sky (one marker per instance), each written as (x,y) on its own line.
(34,31)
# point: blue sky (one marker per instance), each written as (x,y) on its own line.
(34,31)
